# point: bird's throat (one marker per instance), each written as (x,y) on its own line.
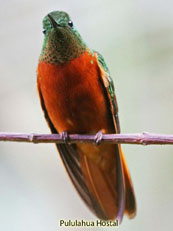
(61,48)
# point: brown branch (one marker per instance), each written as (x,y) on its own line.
(138,138)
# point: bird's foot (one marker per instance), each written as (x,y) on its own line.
(64,136)
(98,137)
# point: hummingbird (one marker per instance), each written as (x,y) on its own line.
(77,96)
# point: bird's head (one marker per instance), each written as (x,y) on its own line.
(62,42)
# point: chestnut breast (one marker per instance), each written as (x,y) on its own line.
(74,96)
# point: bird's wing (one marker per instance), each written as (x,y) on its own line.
(126,190)
(109,87)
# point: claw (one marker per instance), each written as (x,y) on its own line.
(64,136)
(98,137)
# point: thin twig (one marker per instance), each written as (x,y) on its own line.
(138,138)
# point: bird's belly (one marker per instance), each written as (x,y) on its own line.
(77,103)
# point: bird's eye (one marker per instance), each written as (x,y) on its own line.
(70,23)
(44,31)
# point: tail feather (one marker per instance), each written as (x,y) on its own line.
(130,206)
(113,190)
(102,185)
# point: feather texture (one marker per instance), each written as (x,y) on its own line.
(77,97)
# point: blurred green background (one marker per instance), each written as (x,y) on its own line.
(136,39)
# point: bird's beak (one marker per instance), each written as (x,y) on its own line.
(53,22)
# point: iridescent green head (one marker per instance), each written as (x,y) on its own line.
(62,42)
